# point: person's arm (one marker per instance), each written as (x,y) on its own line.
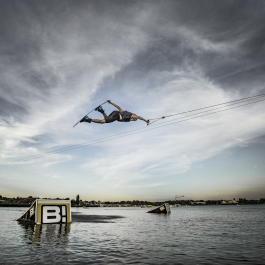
(119,108)
(140,118)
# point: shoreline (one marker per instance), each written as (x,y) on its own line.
(79,206)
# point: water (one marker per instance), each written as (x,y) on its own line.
(189,235)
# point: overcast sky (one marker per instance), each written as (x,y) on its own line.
(61,59)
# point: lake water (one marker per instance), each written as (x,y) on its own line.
(189,235)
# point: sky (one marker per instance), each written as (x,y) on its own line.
(61,59)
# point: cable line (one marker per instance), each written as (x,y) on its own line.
(156,119)
(139,130)
(66,148)
(115,136)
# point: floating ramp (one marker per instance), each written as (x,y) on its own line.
(44,211)
(164,208)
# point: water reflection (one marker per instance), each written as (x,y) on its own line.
(46,235)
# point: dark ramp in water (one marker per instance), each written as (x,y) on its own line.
(83,218)
(164,208)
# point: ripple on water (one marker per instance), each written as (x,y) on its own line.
(189,235)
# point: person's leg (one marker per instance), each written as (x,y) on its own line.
(114,116)
(98,121)
(89,120)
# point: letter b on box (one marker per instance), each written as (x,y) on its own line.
(53,214)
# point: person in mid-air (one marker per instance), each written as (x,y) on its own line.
(121,115)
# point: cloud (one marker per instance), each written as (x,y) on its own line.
(56,159)
(57,177)
(151,185)
(172,150)
(61,75)
(59,61)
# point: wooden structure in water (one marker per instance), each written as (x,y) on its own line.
(46,211)
(164,208)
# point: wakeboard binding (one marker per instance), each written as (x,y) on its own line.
(99,109)
(86,119)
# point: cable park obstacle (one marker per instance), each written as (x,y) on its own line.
(164,208)
(197,113)
(47,211)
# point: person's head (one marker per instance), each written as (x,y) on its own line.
(134,117)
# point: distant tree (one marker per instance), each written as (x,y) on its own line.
(241,200)
(77,199)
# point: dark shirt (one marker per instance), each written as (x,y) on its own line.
(126,116)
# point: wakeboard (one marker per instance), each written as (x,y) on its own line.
(88,113)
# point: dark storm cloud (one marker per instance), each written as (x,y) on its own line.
(5,107)
(224,38)
(20,49)
(31,31)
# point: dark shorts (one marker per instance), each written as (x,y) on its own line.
(114,116)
